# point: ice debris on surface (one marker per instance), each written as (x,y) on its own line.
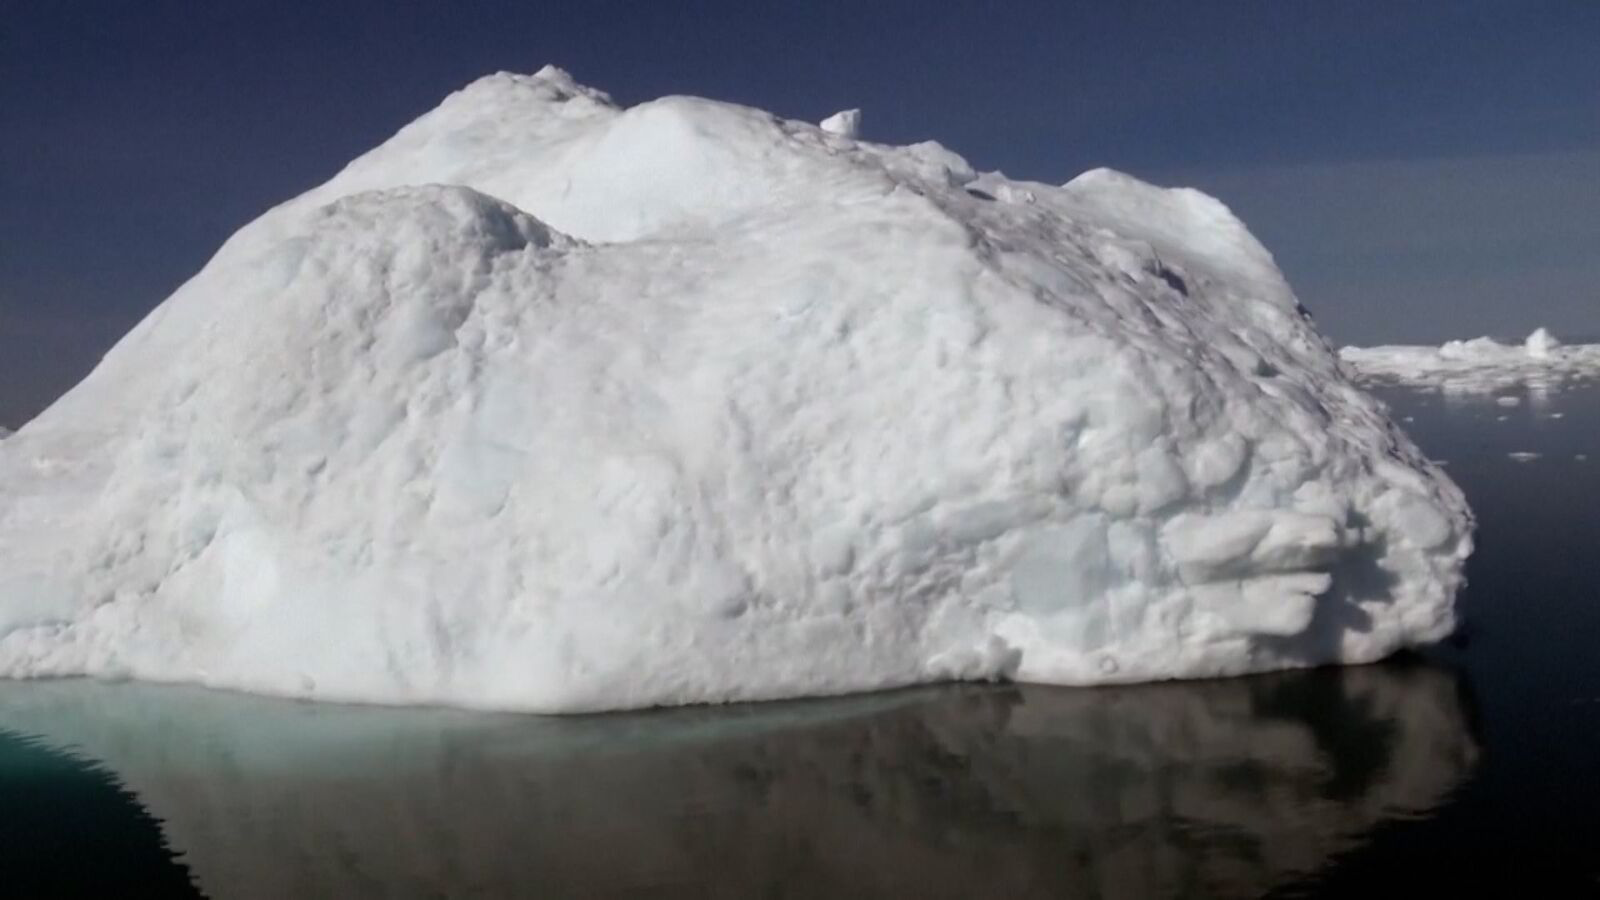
(1481,365)
(549,405)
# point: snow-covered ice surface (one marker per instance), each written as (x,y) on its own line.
(549,405)
(1479,365)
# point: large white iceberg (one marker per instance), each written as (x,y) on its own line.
(549,405)
(1479,365)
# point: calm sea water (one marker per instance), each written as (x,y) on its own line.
(1471,770)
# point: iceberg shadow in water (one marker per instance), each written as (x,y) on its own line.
(68,829)
(1217,788)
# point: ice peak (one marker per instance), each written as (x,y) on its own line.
(550,84)
(554,73)
(1540,343)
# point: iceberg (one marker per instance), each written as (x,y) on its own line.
(549,405)
(1480,365)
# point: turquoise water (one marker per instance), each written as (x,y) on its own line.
(68,828)
(1471,770)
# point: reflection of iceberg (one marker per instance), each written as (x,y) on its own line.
(1481,364)
(1220,787)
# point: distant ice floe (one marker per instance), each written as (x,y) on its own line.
(1479,365)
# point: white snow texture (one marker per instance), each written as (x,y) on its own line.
(553,406)
(1479,365)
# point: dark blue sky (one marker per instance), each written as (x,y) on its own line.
(1421,170)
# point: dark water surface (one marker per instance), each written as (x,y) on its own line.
(1472,770)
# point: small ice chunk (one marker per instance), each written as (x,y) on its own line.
(1508,401)
(845,123)
(1524,455)
(1013,194)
